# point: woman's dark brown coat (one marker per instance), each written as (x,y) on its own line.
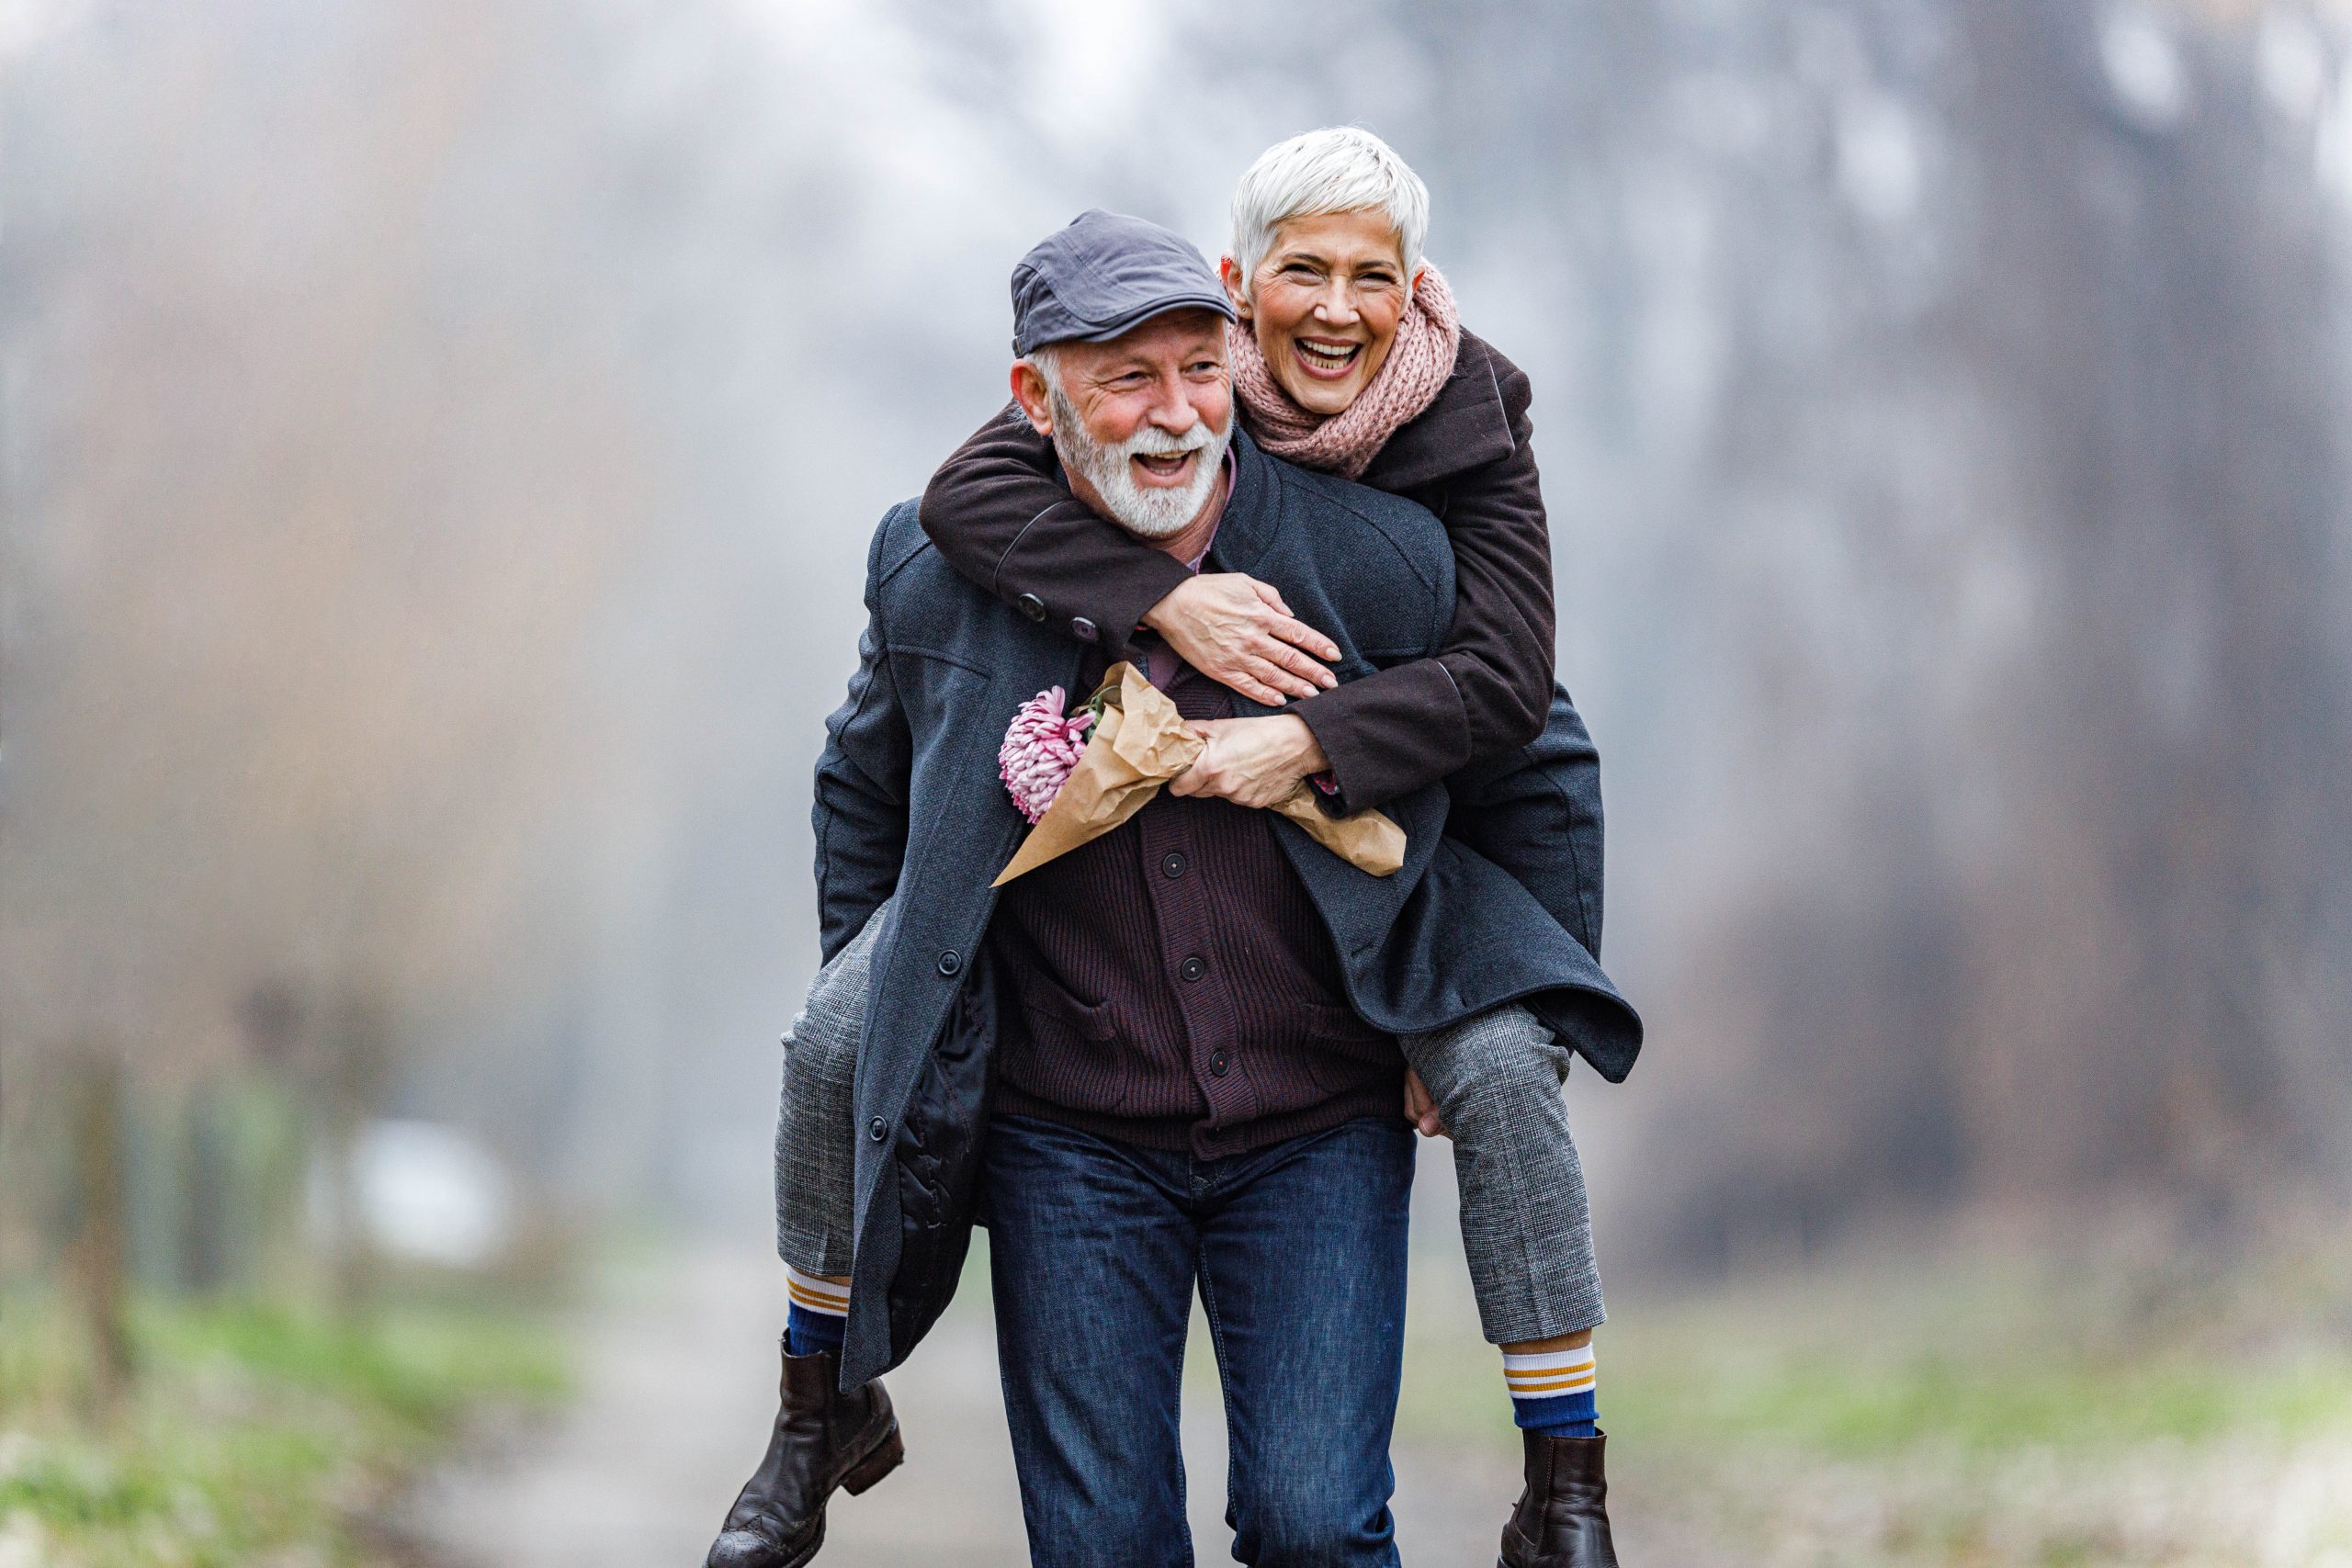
(998,511)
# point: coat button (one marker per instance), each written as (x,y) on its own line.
(1030,606)
(878,1130)
(1171,864)
(1083,629)
(1217,1064)
(1192,968)
(949,962)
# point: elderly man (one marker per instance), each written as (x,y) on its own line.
(1188,1026)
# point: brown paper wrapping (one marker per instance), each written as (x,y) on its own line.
(1140,743)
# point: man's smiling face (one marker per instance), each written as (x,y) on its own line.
(1140,421)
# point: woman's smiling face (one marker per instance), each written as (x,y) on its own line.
(1324,303)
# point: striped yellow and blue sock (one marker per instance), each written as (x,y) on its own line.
(1553,1392)
(820,1310)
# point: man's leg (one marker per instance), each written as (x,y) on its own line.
(1303,1273)
(1092,1253)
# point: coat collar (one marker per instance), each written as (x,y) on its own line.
(1465,428)
(1251,510)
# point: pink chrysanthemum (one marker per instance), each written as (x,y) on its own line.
(1040,748)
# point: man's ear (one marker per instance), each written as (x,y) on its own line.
(1231,270)
(1029,391)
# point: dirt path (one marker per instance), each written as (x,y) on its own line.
(679,1379)
(679,1386)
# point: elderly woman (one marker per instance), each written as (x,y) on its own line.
(1347,356)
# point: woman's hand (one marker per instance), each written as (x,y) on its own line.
(1420,1109)
(1251,762)
(1238,632)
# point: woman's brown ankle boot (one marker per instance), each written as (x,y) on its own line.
(823,1440)
(1562,1520)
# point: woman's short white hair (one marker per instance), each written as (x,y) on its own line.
(1341,168)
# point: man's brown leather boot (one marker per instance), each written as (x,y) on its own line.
(1562,1520)
(823,1438)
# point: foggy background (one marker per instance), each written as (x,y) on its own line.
(439,441)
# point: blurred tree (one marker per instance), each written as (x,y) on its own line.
(100,1247)
(438,443)
(1952,400)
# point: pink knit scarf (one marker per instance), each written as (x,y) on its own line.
(1408,382)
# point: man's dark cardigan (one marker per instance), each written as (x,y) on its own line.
(1175,987)
(1498,898)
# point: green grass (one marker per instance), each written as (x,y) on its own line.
(1950,1354)
(253,1433)
(2011,1397)
(1956,1409)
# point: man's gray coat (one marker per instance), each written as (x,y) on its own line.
(1498,898)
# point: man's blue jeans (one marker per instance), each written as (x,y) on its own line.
(1299,1254)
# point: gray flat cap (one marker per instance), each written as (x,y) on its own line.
(1104,272)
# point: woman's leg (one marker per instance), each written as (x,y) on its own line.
(816,1142)
(1526,1229)
(825,1438)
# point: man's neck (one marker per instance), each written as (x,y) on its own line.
(1190,542)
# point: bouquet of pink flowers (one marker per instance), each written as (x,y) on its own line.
(1076,776)
(1041,748)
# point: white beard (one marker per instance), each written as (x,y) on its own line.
(1150,513)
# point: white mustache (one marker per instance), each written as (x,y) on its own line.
(1152,442)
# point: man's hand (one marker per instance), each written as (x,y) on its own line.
(1251,762)
(1238,632)
(1420,1109)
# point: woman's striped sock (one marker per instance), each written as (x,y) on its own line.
(820,1311)
(1553,1391)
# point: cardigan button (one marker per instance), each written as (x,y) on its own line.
(1030,606)
(878,1130)
(1217,1064)
(1084,630)
(1192,968)
(949,962)
(1171,864)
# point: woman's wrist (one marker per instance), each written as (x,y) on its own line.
(1170,614)
(1306,756)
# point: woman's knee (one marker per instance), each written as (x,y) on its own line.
(1497,1062)
(818,1062)
(820,1050)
